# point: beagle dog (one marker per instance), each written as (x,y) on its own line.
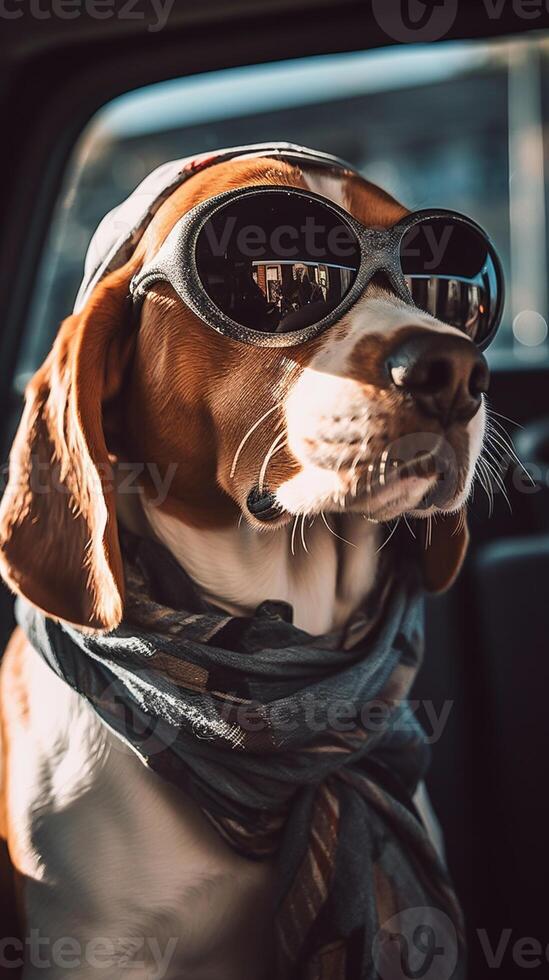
(103,850)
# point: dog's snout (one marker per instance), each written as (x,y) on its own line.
(446,375)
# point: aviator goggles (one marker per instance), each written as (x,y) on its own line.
(276,266)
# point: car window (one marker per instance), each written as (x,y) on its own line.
(459,125)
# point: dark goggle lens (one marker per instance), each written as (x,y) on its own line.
(452,274)
(277,262)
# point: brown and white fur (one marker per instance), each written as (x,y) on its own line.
(100,846)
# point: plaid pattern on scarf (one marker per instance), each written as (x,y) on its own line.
(296,746)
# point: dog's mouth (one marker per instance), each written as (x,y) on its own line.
(406,477)
(395,486)
(416,473)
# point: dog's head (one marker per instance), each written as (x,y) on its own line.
(381,414)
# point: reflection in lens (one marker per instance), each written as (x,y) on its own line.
(277,262)
(452,275)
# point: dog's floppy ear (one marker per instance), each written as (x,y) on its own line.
(442,547)
(58,532)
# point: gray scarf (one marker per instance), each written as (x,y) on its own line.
(294,745)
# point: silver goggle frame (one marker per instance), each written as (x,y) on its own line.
(175,263)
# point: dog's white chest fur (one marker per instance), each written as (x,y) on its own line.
(112,853)
(322,572)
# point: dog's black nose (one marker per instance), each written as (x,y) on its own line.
(445,374)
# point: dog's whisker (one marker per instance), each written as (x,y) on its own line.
(498,453)
(500,486)
(497,463)
(493,424)
(498,457)
(292,541)
(497,437)
(495,488)
(277,445)
(429,532)
(331,530)
(497,428)
(497,479)
(493,439)
(497,431)
(485,483)
(305,548)
(408,525)
(386,542)
(484,472)
(248,436)
(506,418)
(499,442)
(460,525)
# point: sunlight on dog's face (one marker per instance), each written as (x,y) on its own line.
(362,442)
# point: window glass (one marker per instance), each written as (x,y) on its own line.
(459,125)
